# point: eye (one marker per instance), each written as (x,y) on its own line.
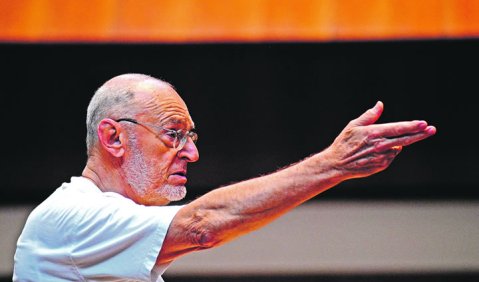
(172,134)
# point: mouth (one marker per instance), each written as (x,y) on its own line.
(178,178)
(180,173)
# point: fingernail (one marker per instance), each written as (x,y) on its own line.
(431,130)
(376,107)
(422,124)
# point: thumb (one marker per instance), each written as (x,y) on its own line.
(370,116)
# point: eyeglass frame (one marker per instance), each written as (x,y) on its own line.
(177,133)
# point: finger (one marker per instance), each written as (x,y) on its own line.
(405,140)
(399,128)
(410,139)
(370,116)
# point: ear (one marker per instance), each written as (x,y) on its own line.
(111,137)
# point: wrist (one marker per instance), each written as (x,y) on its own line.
(323,168)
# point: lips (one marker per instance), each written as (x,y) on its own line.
(178,177)
(180,173)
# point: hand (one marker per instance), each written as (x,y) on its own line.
(364,148)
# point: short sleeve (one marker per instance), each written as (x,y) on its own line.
(119,238)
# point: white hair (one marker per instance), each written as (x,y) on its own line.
(114,99)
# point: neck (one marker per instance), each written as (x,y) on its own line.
(106,176)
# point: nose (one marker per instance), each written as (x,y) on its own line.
(189,152)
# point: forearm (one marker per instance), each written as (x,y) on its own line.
(242,207)
(228,212)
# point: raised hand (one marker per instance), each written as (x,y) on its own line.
(364,148)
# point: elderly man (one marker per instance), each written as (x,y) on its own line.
(113,222)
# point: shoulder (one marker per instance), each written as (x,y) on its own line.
(83,201)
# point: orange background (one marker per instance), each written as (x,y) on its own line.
(235,20)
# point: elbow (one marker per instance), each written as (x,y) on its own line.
(207,239)
(205,232)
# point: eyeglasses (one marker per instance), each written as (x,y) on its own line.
(172,138)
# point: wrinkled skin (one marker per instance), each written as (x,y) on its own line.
(361,149)
(132,161)
(364,148)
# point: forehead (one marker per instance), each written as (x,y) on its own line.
(160,103)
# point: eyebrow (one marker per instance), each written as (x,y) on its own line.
(175,121)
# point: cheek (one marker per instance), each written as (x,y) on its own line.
(161,163)
(158,158)
(159,169)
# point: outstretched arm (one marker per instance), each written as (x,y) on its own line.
(361,149)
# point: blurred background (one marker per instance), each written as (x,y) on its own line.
(268,82)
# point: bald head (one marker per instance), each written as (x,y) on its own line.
(122,96)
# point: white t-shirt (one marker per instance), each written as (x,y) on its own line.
(80,233)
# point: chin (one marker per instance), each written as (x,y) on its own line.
(149,201)
(162,196)
(173,192)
